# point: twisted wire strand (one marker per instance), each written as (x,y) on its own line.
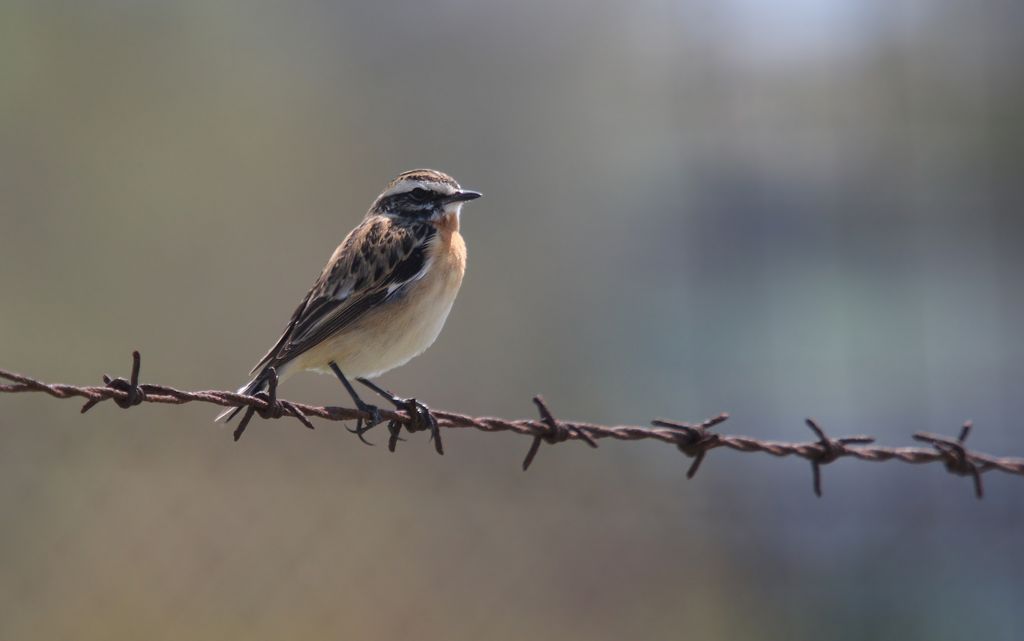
(693,440)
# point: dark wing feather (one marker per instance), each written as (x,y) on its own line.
(372,264)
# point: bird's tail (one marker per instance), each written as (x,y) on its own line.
(257,384)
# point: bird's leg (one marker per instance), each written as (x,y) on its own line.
(362,406)
(420,416)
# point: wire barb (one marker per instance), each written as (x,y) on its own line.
(554,432)
(693,440)
(831,450)
(956,457)
(134,395)
(273,407)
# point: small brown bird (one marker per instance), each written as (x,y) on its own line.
(384,295)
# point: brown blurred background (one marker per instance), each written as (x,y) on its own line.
(776,209)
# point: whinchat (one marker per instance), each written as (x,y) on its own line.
(384,295)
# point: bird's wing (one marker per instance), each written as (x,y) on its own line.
(376,259)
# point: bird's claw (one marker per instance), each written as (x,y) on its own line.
(420,417)
(364,425)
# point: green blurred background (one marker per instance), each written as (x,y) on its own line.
(776,209)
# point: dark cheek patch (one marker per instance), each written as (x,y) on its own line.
(406,206)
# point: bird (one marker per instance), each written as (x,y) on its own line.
(382,298)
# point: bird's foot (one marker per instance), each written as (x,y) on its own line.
(420,417)
(364,425)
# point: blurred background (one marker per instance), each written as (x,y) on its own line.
(786,209)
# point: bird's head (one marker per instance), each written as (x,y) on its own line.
(422,195)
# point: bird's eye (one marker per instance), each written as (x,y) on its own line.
(420,195)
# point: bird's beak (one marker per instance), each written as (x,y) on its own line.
(463,196)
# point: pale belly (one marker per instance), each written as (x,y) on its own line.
(392,334)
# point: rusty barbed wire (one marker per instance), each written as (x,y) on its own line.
(694,440)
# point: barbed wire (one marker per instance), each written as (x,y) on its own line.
(694,440)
